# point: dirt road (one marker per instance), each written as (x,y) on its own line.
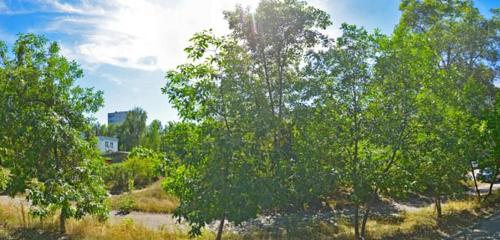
(485,229)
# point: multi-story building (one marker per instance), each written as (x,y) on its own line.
(117,117)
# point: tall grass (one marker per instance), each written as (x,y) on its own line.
(90,228)
(151,199)
(18,224)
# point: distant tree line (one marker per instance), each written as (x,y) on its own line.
(134,131)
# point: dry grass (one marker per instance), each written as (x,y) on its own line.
(151,199)
(17,224)
(90,228)
(423,224)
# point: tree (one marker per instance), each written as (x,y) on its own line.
(153,135)
(46,137)
(493,134)
(303,115)
(362,104)
(467,45)
(277,37)
(105,130)
(210,171)
(341,77)
(4,152)
(131,131)
(236,94)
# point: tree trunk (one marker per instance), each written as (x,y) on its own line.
(62,222)
(221,228)
(365,219)
(437,203)
(356,222)
(493,182)
(367,210)
(475,183)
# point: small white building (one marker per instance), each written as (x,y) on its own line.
(107,144)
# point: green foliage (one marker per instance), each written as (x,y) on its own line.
(4,178)
(491,134)
(275,116)
(46,140)
(368,109)
(457,91)
(132,132)
(494,126)
(116,177)
(143,166)
(303,115)
(126,204)
(234,154)
(152,138)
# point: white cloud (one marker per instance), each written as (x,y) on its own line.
(85,7)
(3,6)
(147,35)
(112,78)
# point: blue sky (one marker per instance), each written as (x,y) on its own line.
(125,46)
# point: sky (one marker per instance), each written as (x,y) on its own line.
(126,46)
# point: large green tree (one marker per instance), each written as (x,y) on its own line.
(277,37)
(210,170)
(340,80)
(237,92)
(46,140)
(361,111)
(467,46)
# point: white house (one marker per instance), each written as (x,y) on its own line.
(107,144)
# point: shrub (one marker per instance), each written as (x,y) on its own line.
(126,204)
(143,166)
(151,199)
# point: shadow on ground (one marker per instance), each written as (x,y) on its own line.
(32,234)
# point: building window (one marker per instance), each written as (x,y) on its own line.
(111,144)
(106,144)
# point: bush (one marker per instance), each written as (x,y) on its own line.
(126,204)
(142,165)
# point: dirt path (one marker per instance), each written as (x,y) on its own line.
(484,229)
(484,188)
(413,207)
